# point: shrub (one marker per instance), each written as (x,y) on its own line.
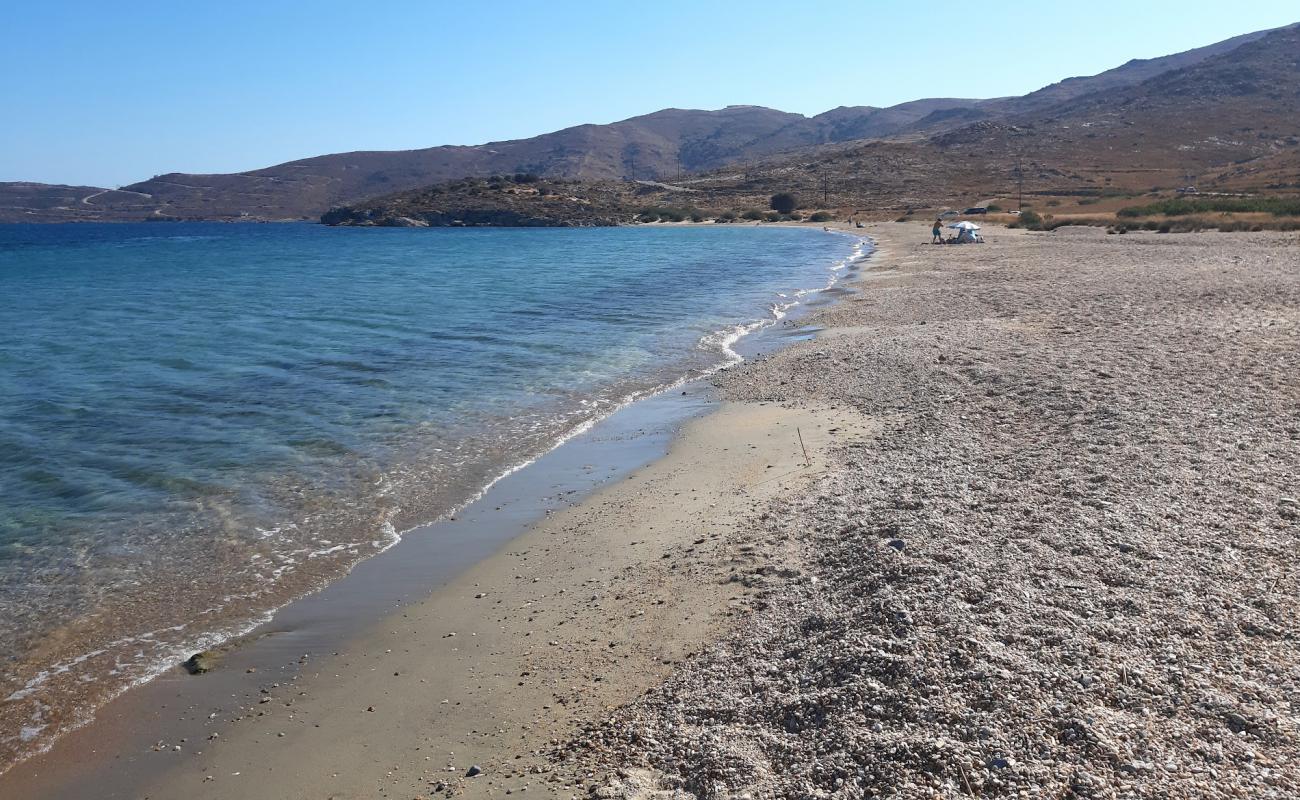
(1050,224)
(1053,203)
(993,208)
(772,216)
(727,216)
(821,216)
(752,213)
(1030,219)
(1183,206)
(784,203)
(665,214)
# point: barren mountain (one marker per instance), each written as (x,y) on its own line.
(664,143)
(1177,114)
(1202,120)
(1230,122)
(1129,74)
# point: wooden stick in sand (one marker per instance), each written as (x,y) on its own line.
(807,462)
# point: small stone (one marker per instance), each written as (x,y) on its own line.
(474,770)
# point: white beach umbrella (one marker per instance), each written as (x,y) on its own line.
(965,226)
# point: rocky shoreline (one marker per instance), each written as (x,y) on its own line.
(1064,567)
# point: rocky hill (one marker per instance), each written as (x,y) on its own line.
(673,142)
(666,143)
(1200,121)
(1230,122)
(521,200)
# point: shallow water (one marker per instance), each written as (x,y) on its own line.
(199,422)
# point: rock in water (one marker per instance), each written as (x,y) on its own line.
(201,662)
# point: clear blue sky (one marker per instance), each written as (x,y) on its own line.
(106,93)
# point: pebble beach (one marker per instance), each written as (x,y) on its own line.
(1020,521)
(1065,566)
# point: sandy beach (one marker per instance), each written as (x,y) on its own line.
(1044,547)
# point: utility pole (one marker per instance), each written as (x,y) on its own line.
(1020,186)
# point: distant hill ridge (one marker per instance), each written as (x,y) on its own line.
(659,145)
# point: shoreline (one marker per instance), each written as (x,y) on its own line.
(1047,548)
(271,624)
(424,659)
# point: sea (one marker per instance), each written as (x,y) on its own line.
(200,422)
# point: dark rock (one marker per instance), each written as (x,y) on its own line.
(201,662)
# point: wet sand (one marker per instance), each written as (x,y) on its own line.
(587,609)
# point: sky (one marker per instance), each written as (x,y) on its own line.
(109,93)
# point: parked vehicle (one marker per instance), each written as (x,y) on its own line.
(976,210)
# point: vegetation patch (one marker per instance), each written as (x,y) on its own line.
(784,203)
(1183,206)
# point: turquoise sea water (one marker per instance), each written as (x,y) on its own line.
(199,422)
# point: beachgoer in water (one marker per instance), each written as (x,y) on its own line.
(937,232)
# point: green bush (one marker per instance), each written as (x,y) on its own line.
(821,216)
(1184,206)
(666,214)
(1030,219)
(784,203)
(772,216)
(727,216)
(1050,224)
(752,213)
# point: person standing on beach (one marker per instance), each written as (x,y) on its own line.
(936,233)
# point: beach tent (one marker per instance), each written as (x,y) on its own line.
(965,232)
